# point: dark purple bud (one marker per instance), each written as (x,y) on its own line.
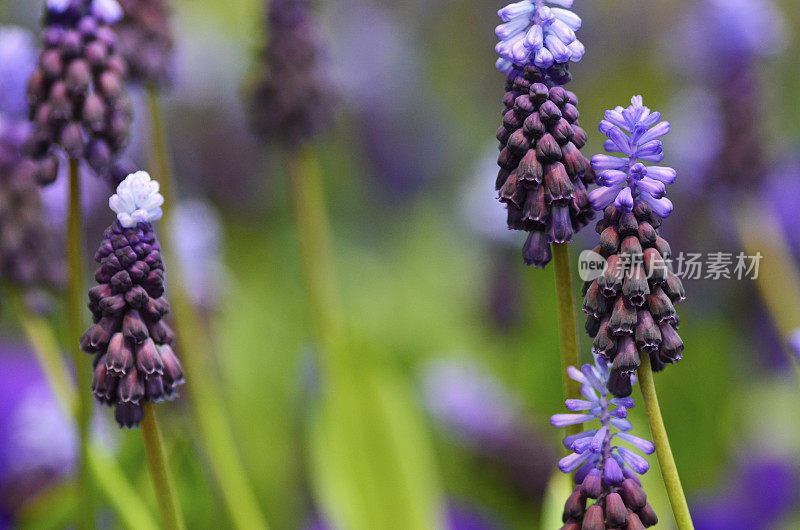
(112,305)
(121,282)
(72,139)
(605,343)
(671,344)
(594,518)
(148,360)
(512,191)
(610,240)
(579,138)
(79,76)
(616,512)
(560,224)
(663,248)
(648,336)
(518,143)
(530,169)
(628,225)
(547,149)
(110,85)
(539,93)
(47,170)
(139,271)
(594,303)
(647,516)
(633,494)
(627,358)
(155,309)
(655,267)
(593,484)
(611,280)
(660,306)
(173,372)
(630,246)
(674,289)
(136,297)
(623,317)
(562,132)
(592,326)
(119,358)
(635,287)
(161,333)
(128,415)
(634,523)
(559,186)
(134,327)
(131,387)
(126,256)
(570,113)
(536,251)
(575,505)
(647,234)
(549,113)
(535,208)
(98,336)
(619,384)
(533,126)
(154,389)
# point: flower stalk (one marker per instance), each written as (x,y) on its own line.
(669,472)
(159,470)
(225,463)
(74,305)
(567,327)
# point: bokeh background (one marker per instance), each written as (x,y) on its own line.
(460,337)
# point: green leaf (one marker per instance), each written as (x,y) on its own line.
(372,463)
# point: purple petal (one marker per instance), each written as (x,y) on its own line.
(662,207)
(543,58)
(612,472)
(569,18)
(576,405)
(655,132)
(518,9)
(581,445)
(626,402)
(621,424)
(653,187)
(620,412)
(641,444)
(561,53)
(624,201)
(570,463)
(603,162)
(563,420)
(636,462)
(591,376)
(598,439)
(664,174)
(572,438)
(611,177)
(576,375)
(534,38)
(602,197)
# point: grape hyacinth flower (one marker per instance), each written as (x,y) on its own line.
(605,473)
(290,99)
(144,37)
(535,33)
(29,249)
(630,306)
(543,175)
(76,95)
(134,362)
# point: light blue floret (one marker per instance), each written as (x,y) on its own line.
(534,32)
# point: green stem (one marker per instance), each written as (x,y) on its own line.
(567,327)
(159,470)
(314,238)
(74,306)
(669,472)
(196,355)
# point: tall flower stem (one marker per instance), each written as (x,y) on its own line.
(107,474)
(314,237)
(669,472)
(74,306)
(196,354)
(159,470)
(567,327)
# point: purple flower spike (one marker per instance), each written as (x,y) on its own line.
(633,132)
(604,472)
(535,33)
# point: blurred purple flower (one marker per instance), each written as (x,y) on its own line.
(722,35)
(38,440)
(757,495)
(484,416)
(17,61)
(794,343)
(696,139)
(782,196)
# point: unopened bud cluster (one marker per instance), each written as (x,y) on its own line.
(76,94)
(145,40)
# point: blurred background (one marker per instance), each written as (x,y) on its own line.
(460,336)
